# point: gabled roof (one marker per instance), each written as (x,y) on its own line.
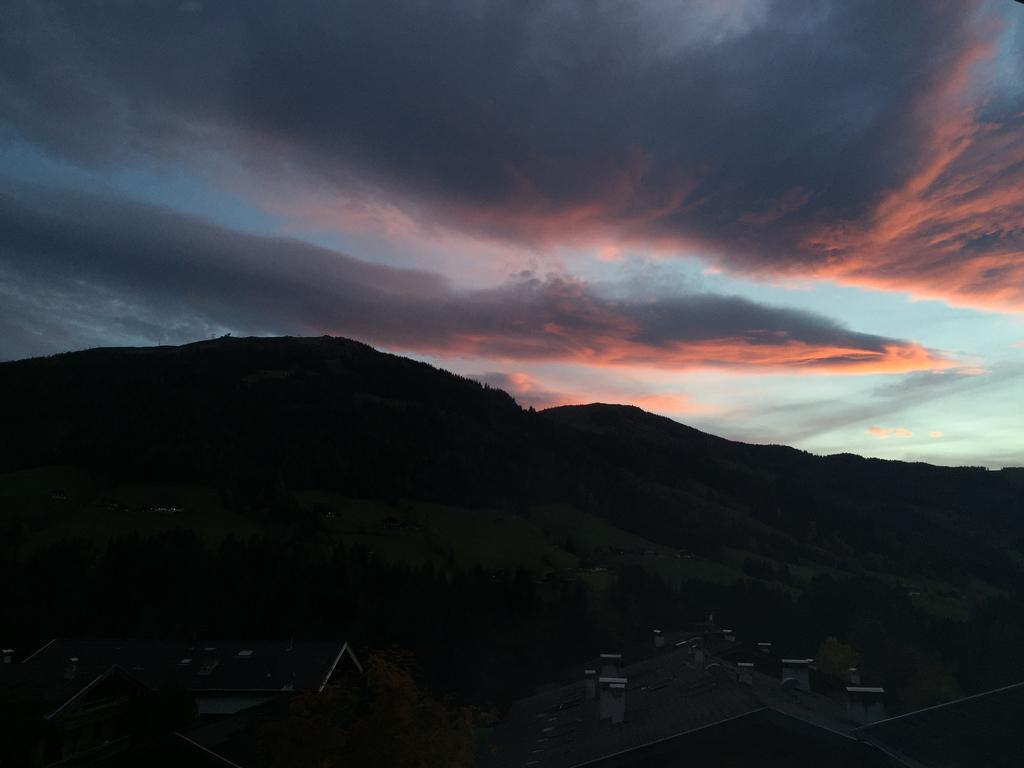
(209,667)
(666,698)
(980,730)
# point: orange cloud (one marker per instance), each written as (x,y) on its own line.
(620,207)
(297,287)
(783,356)
(952,230)
(666,404)
(935,434)
(564,319)
(796,355)
(528,391)
(886,432)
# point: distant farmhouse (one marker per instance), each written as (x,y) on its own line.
(702,698)
(82,702)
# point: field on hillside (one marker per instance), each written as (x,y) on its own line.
(556,543)
(56,503)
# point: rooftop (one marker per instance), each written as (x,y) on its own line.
(976,730)
(667,696)
(39,692)
(198,667)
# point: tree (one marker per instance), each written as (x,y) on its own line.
(835,658)
(384,720)
(402,725)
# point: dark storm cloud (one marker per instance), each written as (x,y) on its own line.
(762,132)
(101,268)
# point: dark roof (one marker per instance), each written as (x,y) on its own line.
(981,730)
(203,666)
(41,691)
(214,740)
(648,650)
(666,697)
(711,637)
(631,654)
(232,739)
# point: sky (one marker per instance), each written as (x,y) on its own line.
(780,221)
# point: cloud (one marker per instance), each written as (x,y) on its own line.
(952,230)
(98,266)
(935,434)
(839,140)
(806,419)
(886,432)
(529,392)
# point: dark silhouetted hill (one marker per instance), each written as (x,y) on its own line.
(258,418)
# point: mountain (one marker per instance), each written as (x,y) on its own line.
(261,418)
(315,487)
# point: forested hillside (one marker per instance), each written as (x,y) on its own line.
(346,474)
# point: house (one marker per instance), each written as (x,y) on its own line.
(86,702)
(223,678)
(680,702)
(75,713)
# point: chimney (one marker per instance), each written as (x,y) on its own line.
(698,657)
(865,705)
(659,639)
(745,672)
(71,668)
(618,705)
(612,693)
(590,683)
(797,669)
(8,654)
(764,648)
(611,664)
(729,635)
(853,676)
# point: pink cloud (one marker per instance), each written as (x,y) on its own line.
(951,231)
(531,392)
(886,432)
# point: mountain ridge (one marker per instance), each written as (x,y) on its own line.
(261,418)
(229,341)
